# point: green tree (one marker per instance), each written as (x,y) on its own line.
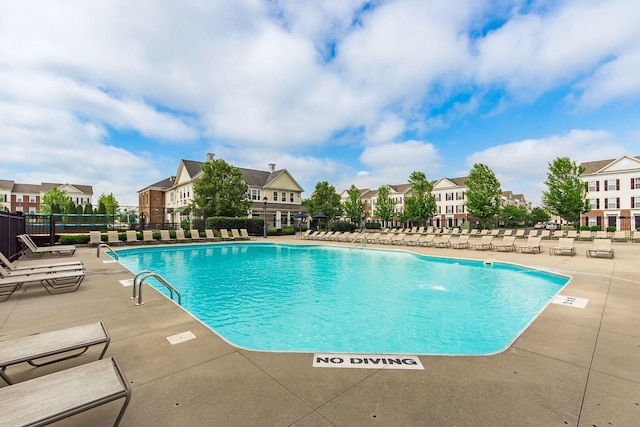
(324,200)
(54,200)
(385,206)
(221,191)
(110,203)
(539,214)
(421,205)
(483,193)
(353,207)
(566,194)
(513,215)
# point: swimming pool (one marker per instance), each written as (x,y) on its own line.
(321,298)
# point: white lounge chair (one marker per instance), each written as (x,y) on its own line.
(95,238)
(532,245)
(113,238)
(601,247)
(195,235)
(180,237)
(53,282)
(225,234)
(40,268)
(210,235)
(54,397)
(462,242)
(165,237)
(442,241)
(507,244)
(38,349)
(565,247)
(147,237)
(132,237)
(483,245)
(31,249)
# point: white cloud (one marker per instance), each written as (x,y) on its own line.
(392,163)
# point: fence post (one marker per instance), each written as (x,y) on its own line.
(52,229)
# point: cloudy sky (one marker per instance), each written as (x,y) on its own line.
(113,93)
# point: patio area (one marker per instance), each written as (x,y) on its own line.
(571,367)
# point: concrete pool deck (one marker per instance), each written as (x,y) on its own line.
(572,366)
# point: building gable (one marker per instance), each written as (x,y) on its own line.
(622,164)
(282,180)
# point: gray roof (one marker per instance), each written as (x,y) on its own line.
(161,185)
(86,189)
(26,188)
(595,166)
(6,184)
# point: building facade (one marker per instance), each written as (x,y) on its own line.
(450,195)
(16,197)
(613,192)
(168,201)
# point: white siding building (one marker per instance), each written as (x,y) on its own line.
(613,191)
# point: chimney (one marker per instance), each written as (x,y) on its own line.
(272,167)
(210,157)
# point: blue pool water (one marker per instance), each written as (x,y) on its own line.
(299,298)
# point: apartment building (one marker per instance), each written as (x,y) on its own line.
(450,195)
(613,191)
(168,201)
(17,197)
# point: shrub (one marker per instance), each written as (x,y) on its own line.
(585,228)
(342,226)
(372,225)
(595,228)
(611,228)
(254,226)
(74,239)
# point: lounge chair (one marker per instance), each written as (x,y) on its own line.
(210,235)
(180,237)
(507,244)
(195,235)
(484,231)
(165,237)
(411,239)
(426,240)
(95,238)
(37,350)
(635,236)
(532,245)
(557,234)
(494,232)
(245,234)
(586,235)
(442,242)
(397,239)
(464,231)
(506,233)
(132,237)
(40,268)
(462,242)
(53,282)
(565,247)
(385,238)
(473,232)
(572,234)
(31,249)
(305,235)
(483,245)
(602,234)
(620,236)
(225,234)
(113,238)
(520,233)
(601,247)
(54,397)
(545,234)
(147,237)
(235,233)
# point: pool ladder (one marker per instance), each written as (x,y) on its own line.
(142,276)
(363,241)
(104,245)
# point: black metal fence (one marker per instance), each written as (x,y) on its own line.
(11,225)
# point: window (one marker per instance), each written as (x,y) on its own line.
(19,198)
(593,220)
(449,196)
(635,183)
(284,196)
(32,199)
(437,196)
(460,209)
(611,203)
(439,209)
(635,204)
(593,185)
(254,194)
(594,203)
(275,196)
(613,184)
(460,195)
(449,209)
(291,197)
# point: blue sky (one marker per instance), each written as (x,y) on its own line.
(113,93)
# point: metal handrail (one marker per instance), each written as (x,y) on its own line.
(104,245)
(135,282)
(162,281)
(362,243)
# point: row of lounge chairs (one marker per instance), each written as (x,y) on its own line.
(533,244)
(165,236)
